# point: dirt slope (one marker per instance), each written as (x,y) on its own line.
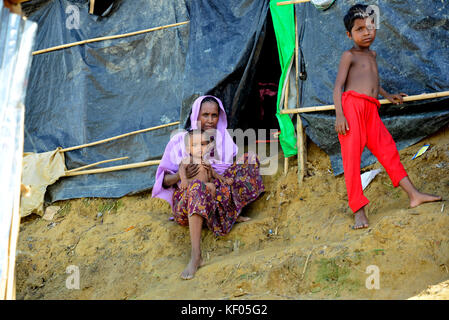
(298,245)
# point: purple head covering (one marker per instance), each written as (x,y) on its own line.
(223,153)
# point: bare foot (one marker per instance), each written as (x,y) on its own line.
(361,221)
(420,198)
(191,268)
(243,219)
(416,197)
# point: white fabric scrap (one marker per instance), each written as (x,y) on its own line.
(368,176)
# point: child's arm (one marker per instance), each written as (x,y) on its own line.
(393,98)
(341,125)
(183,175)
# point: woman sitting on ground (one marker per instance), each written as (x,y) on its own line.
(194,205)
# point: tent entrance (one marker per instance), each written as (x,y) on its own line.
(260,108)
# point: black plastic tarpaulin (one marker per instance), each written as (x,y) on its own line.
(102,89)
(226,38)
(412,46)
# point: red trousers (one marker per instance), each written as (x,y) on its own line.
(366,129)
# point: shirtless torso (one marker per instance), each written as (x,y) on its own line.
(205,173)
(363,74)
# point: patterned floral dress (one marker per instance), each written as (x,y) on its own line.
(220,213)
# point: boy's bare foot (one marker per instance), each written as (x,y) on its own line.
(191,268)
(361,221)
(243,219)
(420,198)
(416,197)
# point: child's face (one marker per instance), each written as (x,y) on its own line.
(198,145)
(363,32)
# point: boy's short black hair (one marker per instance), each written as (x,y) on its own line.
(358,11)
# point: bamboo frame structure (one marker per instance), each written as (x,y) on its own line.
(417,97)
(119,136)
(68,45)
(95,164)
(292,2)
(114,168)
(82,171)
(299,127)
(91,6)
(286,108)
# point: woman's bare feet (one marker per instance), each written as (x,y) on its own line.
(243,219)
(360,219)
(420,198)
(191,268)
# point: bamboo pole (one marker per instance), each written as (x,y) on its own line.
(13,236)
(417,97)
(95,164)
(91,7)
(118,137)
(299,128)
(292,2)
(308,109)
(286,108)
(68,45)
(115,168)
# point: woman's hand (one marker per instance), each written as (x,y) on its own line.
(341,124)
(184,185)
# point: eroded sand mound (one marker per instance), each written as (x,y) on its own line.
(298,245)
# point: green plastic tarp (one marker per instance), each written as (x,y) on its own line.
(284,28)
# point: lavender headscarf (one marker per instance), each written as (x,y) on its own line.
(224,151)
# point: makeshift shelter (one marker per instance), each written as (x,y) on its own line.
(106,88)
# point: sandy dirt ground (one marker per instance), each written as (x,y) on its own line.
(299,243)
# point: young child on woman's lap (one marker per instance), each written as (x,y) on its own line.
(198,147)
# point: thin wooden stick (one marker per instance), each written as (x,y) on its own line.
(91,7)
(95,164)
(285,108)
(305,265)
(115,168)
(13,236)
(417,97)
(299,127)
(292,2)
(119,136)
(68,45)
(308,109)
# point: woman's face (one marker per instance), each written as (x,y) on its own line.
(208,116)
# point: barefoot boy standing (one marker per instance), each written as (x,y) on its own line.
(357,119)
